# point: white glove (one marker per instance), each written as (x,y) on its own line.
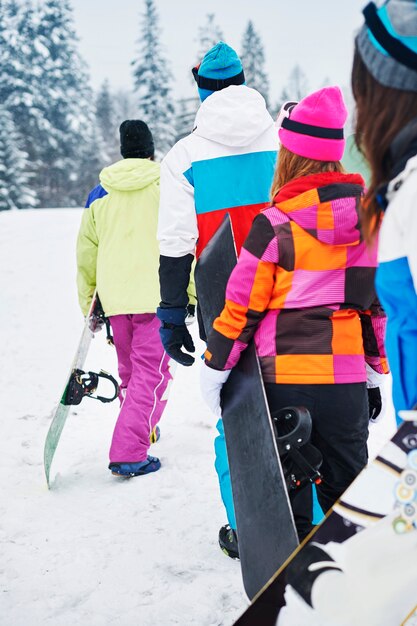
(211,383)
(373,378)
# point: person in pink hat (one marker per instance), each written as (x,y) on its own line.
(303,288)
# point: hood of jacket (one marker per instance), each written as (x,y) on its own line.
(234,116)
(325,205)
(130,175)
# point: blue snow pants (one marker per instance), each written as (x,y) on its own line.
(222,468)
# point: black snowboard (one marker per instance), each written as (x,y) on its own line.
(265,524)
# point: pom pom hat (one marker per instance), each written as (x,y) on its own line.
(313,128)
(220,68)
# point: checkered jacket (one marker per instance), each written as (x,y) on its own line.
(304,288)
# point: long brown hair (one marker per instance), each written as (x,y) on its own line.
(291,166)
(381,112)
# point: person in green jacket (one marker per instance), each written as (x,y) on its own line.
(117,253)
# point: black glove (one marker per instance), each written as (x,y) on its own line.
(375,403)
(95,323)
(190,317)
(174,335)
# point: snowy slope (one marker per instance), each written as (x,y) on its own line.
(95,550)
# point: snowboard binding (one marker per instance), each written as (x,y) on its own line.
(301,460)
(98,319)
(84,384)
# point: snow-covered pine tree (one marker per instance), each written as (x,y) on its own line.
(297,83)
(326,82)
(68,108)
(152,82)
(18,88)
(10,67)
(208,35)
(253,61)
(22,75)
(124,106)
(107,122)
(15,189)
(186,112)
(296,88)
(91,159)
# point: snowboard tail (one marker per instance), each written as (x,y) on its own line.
(79,385)
(265,524)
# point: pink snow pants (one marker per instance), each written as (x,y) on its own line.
(144,373)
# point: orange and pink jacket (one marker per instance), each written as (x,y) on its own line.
(304,288)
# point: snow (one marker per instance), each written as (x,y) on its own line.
(97,550)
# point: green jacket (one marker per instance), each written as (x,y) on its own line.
(117,249)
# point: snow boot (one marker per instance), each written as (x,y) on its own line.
(155,435)
(228,541)
(128,470)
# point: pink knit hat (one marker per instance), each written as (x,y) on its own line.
(313,128)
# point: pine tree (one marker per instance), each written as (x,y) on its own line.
(91,159)
(186,112)
(296,88)
(18,87)
(28,106)
(57,144)
(15,188)
(68,109)
(208,36)
(106,121)
(297,84)
(152,82)
(253,61)
(124,106)
(8,34)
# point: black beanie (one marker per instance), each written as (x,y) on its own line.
(136,141)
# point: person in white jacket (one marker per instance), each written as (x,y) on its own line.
(384,84)
(224,166)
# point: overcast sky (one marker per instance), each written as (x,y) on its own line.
(318,35)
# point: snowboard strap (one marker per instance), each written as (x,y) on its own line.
(300,459)
(216,84)
(98,312)
(301,466)
(84,384)
(109,336)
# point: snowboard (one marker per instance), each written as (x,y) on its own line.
(265,524)
(79,384)
(360,565)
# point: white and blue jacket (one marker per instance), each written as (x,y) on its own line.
(224,166)
(396,283)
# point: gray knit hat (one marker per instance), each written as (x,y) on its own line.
(387,43)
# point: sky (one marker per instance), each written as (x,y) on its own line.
(316,35)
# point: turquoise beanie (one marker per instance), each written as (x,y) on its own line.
(387,43)
(220,68)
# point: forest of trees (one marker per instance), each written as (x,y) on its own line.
(56,133)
